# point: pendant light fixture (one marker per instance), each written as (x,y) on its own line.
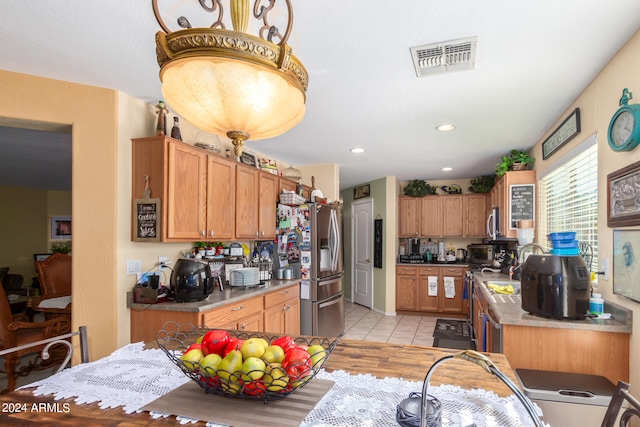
(228,82)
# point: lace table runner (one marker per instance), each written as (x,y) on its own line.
(132,377)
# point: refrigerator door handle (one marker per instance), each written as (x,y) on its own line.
(333,224)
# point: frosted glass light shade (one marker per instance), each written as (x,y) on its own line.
(219,95)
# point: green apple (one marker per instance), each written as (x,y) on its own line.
(252,347)
(264,342)
(253,369)
(191,357)
(317,353)
(273,354)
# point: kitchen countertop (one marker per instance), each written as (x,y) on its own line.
(507,310)
(434,264)
(215,299)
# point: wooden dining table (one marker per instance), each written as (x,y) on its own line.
(381,360)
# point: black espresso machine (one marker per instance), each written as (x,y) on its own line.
(192,280)
(555,286)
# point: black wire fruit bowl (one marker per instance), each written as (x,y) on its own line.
(199,354)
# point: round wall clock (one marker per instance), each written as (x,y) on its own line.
(624,128)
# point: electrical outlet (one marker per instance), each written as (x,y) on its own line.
(134,266)
(604,267)
(162,262)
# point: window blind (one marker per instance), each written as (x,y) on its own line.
(568,201)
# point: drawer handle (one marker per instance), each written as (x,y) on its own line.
(284,308)
(284,292)
(238,308)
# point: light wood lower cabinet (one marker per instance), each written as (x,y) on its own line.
(412,289)
(275,312)
(282,312)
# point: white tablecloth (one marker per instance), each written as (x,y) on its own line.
(131,377)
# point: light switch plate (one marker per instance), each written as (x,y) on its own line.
(134,266)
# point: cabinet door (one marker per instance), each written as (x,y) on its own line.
(431,217)
(292,317)
(221,198)
(452,213)
(409,217)
(267,206)
(251,323)
(246,202)
(406,291)
(274,319)
(428,302)
(186,197)
(475,215)
(451,305)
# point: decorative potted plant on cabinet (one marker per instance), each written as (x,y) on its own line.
(482,184)
(64,247)
(514,160)
(419,188)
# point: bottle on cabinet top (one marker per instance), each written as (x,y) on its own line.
(175,130)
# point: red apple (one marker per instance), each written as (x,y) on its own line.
(233,344)
(215,341)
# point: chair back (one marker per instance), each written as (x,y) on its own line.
(54,274)
(6,317)
(620,397)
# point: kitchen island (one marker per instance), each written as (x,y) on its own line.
(587,346)
(355,357)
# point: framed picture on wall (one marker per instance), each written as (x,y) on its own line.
(626,274)
(60,228)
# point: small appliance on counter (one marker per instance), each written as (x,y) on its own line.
(555,286)
(412,259)
(192,280)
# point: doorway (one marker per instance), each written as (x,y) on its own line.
(362,227)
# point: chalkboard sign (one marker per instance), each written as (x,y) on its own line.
(146,217)
(522,203)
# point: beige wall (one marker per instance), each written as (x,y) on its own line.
(597,103)
(91,113)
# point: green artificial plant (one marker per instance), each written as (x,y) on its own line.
(482,184)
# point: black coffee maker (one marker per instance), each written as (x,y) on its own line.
(191,280)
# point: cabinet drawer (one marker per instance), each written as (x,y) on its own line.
(406,270)
(453,271)
(281,295)
(233,312)
(429,271)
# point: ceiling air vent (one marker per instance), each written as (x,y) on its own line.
(454,55)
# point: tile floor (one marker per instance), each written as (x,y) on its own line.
(364,324)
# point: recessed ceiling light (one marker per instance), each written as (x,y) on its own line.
(446,127)
(447,169)
(357,150)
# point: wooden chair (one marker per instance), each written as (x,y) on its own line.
(54,274)
(16,332)
(620,396)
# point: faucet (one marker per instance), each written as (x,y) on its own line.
(527,246)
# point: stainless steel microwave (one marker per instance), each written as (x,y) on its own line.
(480,253)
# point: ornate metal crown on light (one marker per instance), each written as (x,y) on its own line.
(230,82)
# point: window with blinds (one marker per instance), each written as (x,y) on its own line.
(568,201)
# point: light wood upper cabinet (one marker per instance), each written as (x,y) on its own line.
(247,193)
(452,216)
(267,206)
(186,192)
(409,218)
(475,207)
(431,216)
(221,198)
(500,197)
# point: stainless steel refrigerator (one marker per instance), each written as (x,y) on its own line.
(309,242)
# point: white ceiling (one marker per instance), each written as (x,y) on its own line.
(533,59)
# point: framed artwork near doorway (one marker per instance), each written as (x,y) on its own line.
(60,228)
(361,191)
